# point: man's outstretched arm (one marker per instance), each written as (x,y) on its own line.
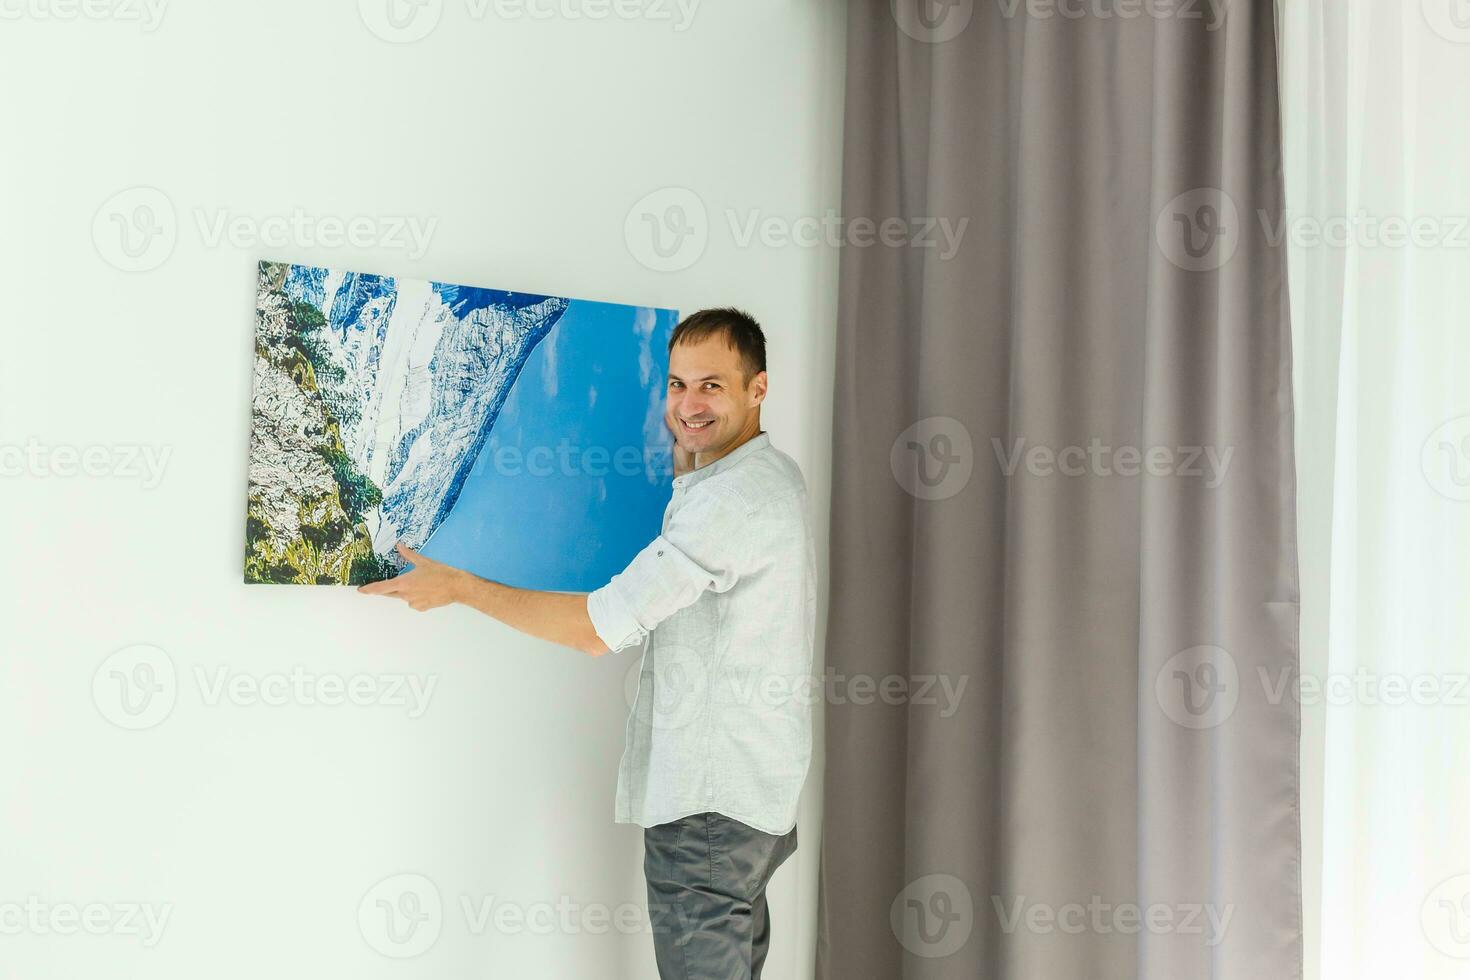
(554,616)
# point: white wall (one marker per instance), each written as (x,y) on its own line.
(261,828)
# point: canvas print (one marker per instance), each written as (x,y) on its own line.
(516,435)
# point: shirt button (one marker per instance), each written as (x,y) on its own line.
(660,554)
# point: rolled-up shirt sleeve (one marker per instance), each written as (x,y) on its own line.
(698,551)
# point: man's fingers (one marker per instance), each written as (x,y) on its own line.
(386,587)
(408,554)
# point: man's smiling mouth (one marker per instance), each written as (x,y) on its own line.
(695,425)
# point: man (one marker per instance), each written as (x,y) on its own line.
(719,738)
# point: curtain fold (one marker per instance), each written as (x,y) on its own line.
(1063,580)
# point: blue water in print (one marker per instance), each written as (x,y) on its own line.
(576,473)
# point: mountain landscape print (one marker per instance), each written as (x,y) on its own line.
(516,435)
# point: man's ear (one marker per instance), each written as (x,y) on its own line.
(758,388)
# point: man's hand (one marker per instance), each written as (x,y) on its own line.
(430,585)
(556,616)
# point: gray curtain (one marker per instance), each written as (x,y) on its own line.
(1061,651)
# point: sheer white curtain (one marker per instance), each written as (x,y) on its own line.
(1376,106)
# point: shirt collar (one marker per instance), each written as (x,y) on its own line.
(756,442)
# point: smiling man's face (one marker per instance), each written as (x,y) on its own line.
(710,408)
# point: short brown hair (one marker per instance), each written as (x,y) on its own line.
(739,329)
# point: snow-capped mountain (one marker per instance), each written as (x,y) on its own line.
(413,373)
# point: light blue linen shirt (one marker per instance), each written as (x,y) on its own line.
(726,598)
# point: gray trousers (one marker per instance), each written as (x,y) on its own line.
(707,877)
